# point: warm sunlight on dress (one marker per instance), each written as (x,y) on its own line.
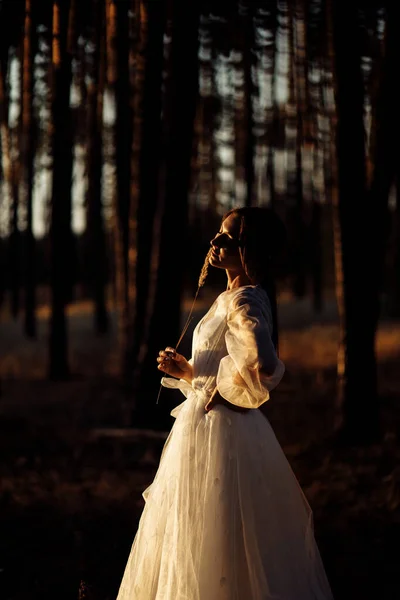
(225,518)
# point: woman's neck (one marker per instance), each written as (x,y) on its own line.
(236,279)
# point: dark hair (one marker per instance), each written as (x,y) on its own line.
(262,241)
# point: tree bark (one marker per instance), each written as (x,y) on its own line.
(386,154)
(147,201)
(298,52)
(60,228)
(356,283)
(117,229)
(29,144)
(395,304)
(10,168)
(95,224)
(118,77)
(181,98)
(249,92)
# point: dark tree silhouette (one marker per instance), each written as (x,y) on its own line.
(95,225)
(356,280)
(146,201)
(10,167)
(385,154)
(62,141)
(29,142)
(181,99)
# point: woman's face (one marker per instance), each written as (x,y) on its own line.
(225,245)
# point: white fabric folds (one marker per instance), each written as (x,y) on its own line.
(225,518)
(251,368)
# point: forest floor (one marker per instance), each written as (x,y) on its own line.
(70,497)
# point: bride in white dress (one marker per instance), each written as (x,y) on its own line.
(225,517)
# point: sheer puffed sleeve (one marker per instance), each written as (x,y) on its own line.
(251,368)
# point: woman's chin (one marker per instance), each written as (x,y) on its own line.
(213,262)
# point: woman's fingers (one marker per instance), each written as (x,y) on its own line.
(170,352)
(164,358)
(164,361)
(167,360)
(163,366)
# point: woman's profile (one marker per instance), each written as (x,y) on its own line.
(225,517)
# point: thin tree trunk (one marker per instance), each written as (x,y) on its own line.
(95,224)
(316,252)
(29,137)
(299,88)
(395,304)
(60,230)
(137,59)
(330,174)
(207,167)
(212,108)
(315,116)
(123,144)
(118,238)
(11,175)
(240,128)
(273,119)
(243,105)
(357,394)
(195,169)
(182,88)
(150,206)
(249,92)
(118,81)
(386,154)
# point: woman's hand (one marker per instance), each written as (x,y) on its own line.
(175,364)
(216,398)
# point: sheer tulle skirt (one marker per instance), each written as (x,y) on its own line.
(225,518)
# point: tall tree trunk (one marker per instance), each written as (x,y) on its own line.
(249,93)
(147,202)
(270,22)
(11,175)
(356,284)
(386,154)
(395,304)
(315,116)
(138,73)
(6,154)
(118,82)
(62,142)
(95,224)
(182,88)
(316,252)
(123,141)
(243,105)
(117,230)
(206,124)
(29,143)
(298,42)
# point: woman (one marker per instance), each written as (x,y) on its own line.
(225,518)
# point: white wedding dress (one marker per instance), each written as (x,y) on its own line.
(225,517)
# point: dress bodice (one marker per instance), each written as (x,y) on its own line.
(233,350)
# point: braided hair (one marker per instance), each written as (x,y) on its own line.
(262,239)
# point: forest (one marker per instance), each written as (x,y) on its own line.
(128,128)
